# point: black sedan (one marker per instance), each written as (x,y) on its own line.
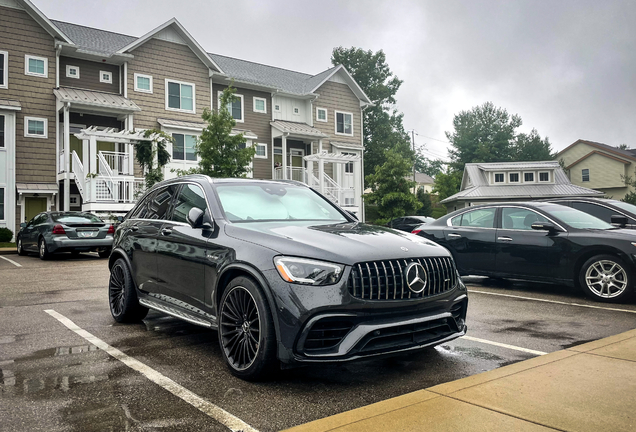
(612,211)
(409,223)
(284,274)
(540,242)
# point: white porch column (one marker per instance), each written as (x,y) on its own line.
(92,153)
(85,155)
(357,182)
(310,173)
(284,165)
(320,146)
(130,148)
(321,175)
(67,159)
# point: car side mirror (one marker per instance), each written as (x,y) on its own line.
(545,226)
(120,219)
(196,218)
(23,224)
(619,220)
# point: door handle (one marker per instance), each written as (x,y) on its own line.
(506,239)
(454,235)
(134,228)
(166,231)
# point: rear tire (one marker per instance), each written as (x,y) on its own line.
(246,331)
(122,296)
(606,278)
(21,251)
(43,251)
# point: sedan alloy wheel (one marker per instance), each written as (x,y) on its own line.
(606,279)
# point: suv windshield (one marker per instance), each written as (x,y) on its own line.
(577,219)
(275,202)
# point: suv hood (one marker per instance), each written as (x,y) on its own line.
(347,243)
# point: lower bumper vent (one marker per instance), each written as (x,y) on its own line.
(327,333)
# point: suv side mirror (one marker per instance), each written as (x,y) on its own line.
(619,220)
(545,226)
(23,224)
(196,218)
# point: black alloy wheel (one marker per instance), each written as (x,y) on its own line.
(606,278)
(21,250)
(246,330)
(43,250)
(122,297)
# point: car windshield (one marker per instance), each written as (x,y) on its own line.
(625,206)
(578,219)
(75,218)
(274,202)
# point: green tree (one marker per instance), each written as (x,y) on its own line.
(483,134)
(630,197)
(622,147)
(146,151)
(424,198)
(222,154)
(447,184)
(428,166)
(383,128)
(530,147)
(390,189)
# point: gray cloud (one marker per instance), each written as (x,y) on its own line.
(566,67)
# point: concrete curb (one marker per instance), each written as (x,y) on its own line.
(8,251)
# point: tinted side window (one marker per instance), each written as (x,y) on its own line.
(482,218)
(519,218)
(159,205)
(40,219)
(189,196)
(141,211)
(595,210)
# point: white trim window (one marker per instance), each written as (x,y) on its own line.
(35,127)
(344,123)
(2,206)
(184,147)
(261,151)
(513,177)
(585,174)
(260,105)
(4,70)
(296,111)
(544,176)
(3,126)
(277,108)
(180,96)
(528,177)
(500,178)
(235,107)
(321,114)
(105,77)
(143,83)
(73,72)
(36,66)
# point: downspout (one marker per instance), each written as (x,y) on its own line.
(58,51)
(126,79)
(67,157)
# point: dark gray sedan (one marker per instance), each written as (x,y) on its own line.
(75,232)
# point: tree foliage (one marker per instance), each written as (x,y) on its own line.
(390,189)
(428,166)
(383,128)
(530,147)
(447,184)
(630,196)
(424,198)
(146,151)
(222,154)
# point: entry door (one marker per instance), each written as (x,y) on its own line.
(33,206)
(296,161)
(347,178)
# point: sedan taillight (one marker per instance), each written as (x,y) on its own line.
(58,229)
(416,231)
(111,230)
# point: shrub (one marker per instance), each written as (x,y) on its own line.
(5,235)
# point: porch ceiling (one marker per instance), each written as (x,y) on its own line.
(96,101)
(297,129)
(332,157)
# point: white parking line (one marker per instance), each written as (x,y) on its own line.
(11,261)
(225,418)
(503,345)
(552,301)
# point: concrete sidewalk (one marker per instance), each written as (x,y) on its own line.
(590,387)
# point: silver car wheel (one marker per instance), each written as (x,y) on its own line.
(42,248)
(606,279)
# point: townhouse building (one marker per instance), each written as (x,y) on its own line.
(74,100)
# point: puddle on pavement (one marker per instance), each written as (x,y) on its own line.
(59,351)
(471,352)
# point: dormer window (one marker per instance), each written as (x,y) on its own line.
(499,178)
(513,177)
(544,176)
(528,177)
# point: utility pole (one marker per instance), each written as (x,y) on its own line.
(414,160)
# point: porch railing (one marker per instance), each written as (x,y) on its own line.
(293,173)
(117,161)
(113,189)
(331,189)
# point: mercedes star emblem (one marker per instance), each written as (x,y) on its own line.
(416,277)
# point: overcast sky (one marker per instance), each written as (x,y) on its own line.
(566,67)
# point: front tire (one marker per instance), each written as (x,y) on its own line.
(122,296)
(606,278)
(246,331)
(21,250)
(43,251)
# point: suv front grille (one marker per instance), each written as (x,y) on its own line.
(386,280)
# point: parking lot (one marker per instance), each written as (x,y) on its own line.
(53,378)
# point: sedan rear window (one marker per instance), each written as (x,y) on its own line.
(75,218)
(274,202)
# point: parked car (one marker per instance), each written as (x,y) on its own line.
(604,209)
(540,242)
(409,223)
(51,232)
(284,274)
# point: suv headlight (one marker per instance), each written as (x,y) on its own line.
(308,272)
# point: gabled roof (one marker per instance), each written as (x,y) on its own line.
(630,154)
(94,40)
(324,76)
(475,172)
(621,159)
(41,19)
(421,178)
(181,31)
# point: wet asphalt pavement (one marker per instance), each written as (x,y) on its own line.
(51,379)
